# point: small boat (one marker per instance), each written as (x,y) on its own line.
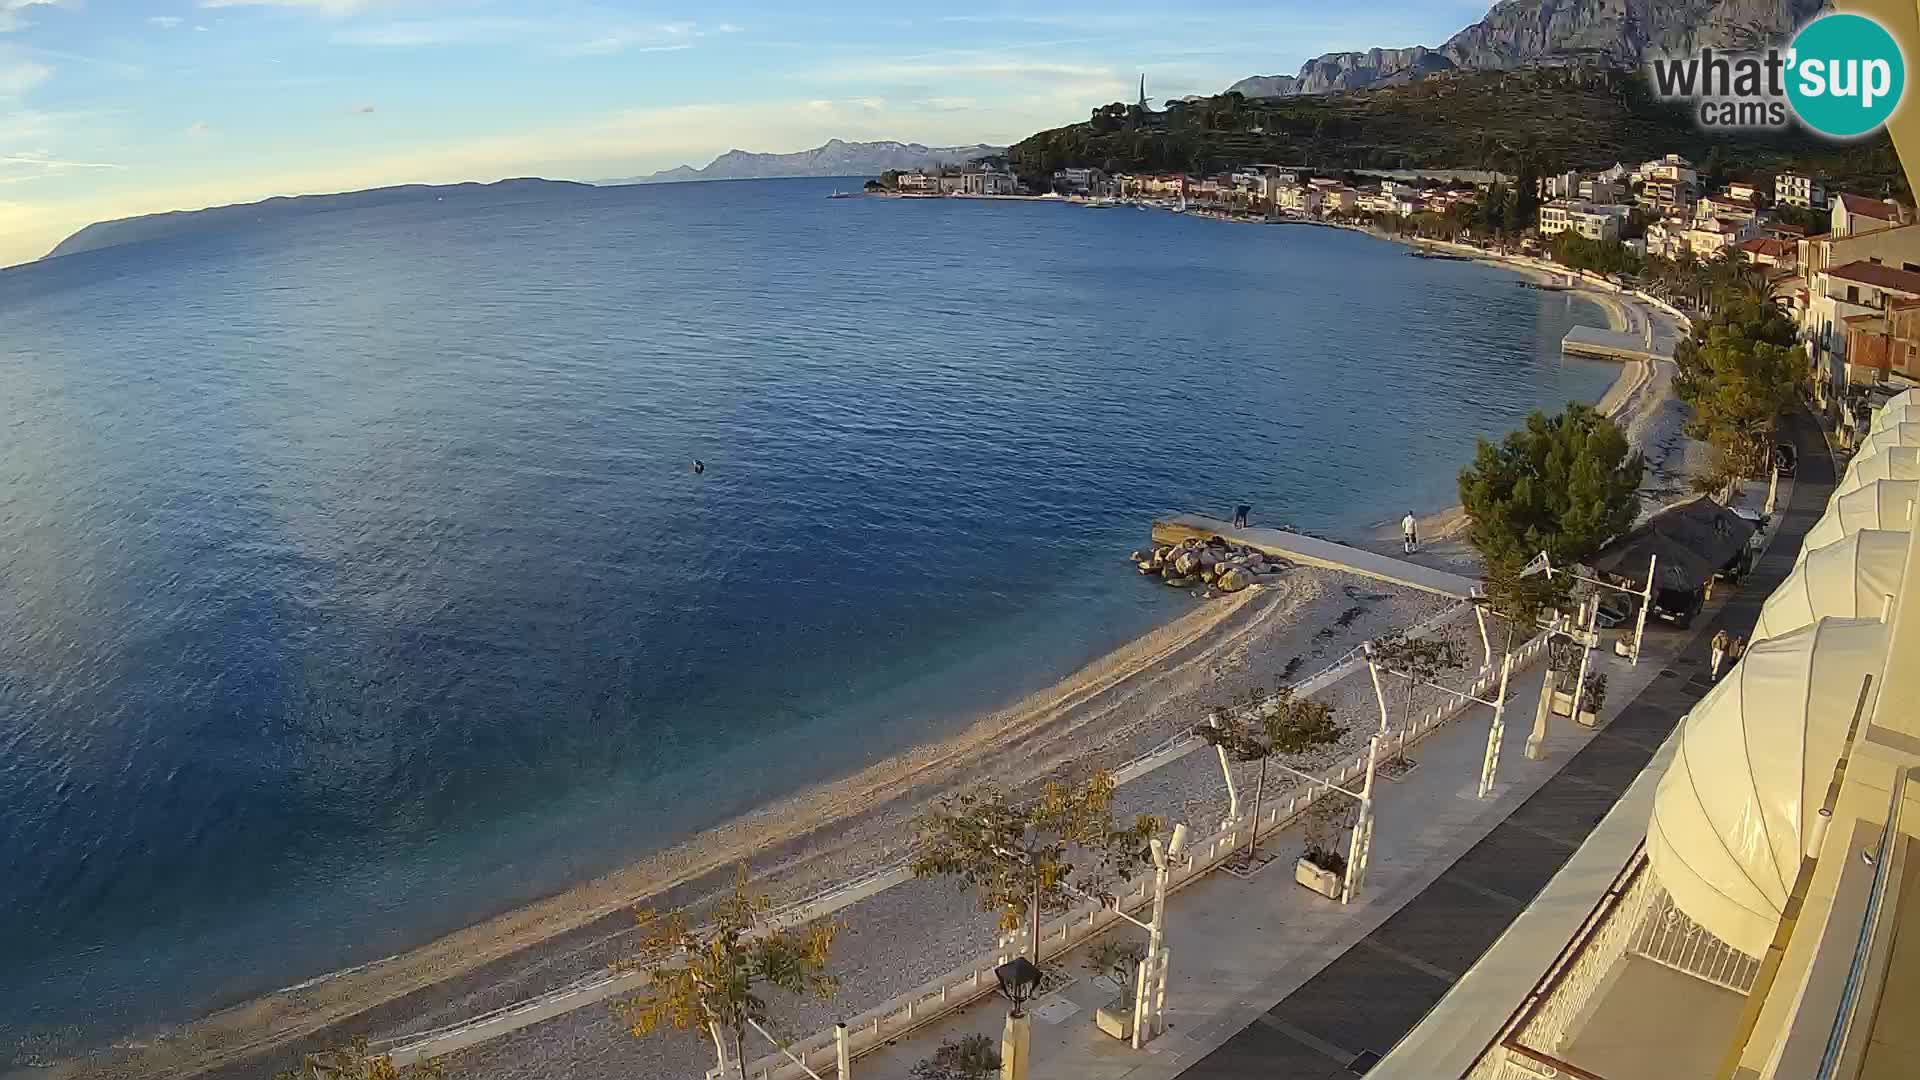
(838,194)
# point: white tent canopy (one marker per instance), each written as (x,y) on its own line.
(1737,808)
(1849,579)
(1882,504)
(1902,407)
(1901,434)
(1891,463)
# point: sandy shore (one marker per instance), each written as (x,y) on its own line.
(1099,716)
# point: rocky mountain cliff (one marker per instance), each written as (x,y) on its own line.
(836,157)
(1519,33)
(1258,86)
(1335,72)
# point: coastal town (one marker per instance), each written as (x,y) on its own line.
(1844,265)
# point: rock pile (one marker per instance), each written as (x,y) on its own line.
(1212,562)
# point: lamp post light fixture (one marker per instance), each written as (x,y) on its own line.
(1019,980)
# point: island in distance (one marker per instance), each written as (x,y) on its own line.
(104,234)
(835,157)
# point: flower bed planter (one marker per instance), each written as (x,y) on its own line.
(1623,646)
(1116,1017)
(1563,703)
(1320,880)
(1588,717)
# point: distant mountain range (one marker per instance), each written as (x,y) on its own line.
(835,157)
(131,230)
(1524,33)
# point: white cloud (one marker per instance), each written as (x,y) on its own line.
(363,109)
(199,129)
(165,22)
(19,76)
(568,36)
(25,165)
(323,7)
(10,12)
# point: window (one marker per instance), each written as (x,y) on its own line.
(1853,294)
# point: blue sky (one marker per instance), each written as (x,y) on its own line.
(113,107)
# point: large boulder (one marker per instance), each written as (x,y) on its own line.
(1234,580)
(1187,563)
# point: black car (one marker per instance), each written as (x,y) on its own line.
(1785,459)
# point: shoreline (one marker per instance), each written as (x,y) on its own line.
(1122,701)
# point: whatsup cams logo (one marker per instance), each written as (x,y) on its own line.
(1842,76)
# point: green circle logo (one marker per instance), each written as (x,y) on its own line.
(1845,75)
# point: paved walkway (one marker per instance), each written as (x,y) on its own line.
(1270,980)
(1368,999)
(1313,551)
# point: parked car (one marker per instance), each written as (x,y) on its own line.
(1677,606)
(1785,459)
(1613,611)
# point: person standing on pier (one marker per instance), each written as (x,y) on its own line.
(1410,532)
(1240,515)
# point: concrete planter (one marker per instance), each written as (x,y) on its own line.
(1588,717)
(1324,882)
(1622,647)
(1563,703)
(1116,1017)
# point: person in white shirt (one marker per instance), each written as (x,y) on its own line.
(1409,531)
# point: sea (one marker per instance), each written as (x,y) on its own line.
(356,583)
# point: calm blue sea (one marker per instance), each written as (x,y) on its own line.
(354,584)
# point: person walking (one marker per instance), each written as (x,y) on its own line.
(1718,654)
(1735,651)
(1410,532)
(1240,515)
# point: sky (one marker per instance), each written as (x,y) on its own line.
(110,108)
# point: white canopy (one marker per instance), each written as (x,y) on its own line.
(1736,810)
(1904,406)
(1903,434)
(1848,579)
(1882,504)
(1892,463)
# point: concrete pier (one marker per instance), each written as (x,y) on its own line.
(1310,551)
(1607,345)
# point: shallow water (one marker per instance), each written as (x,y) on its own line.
(355,584)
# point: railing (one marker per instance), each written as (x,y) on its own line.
(971,981)
(1666,936)
(588,990)
(1870,929)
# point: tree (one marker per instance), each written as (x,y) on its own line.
(1564,485)
(1018,856)
(1277,726)
(971,1057)
(1738,386)
(1417,661)
(709,979)
(353,1062)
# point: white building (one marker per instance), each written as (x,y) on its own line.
(1565,185)
(1799,189)
(991,182)
(1584,218)
(1856,214)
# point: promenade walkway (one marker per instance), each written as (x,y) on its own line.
(1312,551)
(1270,980)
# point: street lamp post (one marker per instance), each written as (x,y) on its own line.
(1019,979)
